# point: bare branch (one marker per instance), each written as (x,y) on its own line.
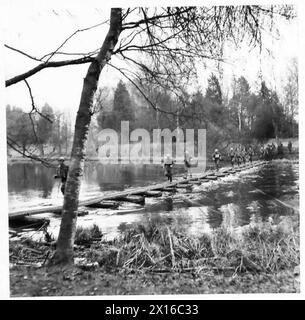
(84,54)
(22,52)
(132,25)
(140,90)
(44,65)
(33,126)
(15,146)
(34,108)
(71,36)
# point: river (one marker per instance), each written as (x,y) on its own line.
(254,195)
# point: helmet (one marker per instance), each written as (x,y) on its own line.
(61,159)
(216,150)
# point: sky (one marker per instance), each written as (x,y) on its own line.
(42,28)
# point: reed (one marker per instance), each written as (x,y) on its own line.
(85,236)
(162,244)
(155,246)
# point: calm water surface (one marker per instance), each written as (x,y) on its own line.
(254,195)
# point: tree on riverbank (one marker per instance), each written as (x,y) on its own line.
(168,43)
(291,97)
(20,129)
(45,126)
(258,115)
(36,135)
(122,110)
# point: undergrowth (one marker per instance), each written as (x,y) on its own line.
(162,245)
(157,246)
(85,236)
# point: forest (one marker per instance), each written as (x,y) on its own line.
(248,116)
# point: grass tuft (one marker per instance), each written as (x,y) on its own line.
(85,236)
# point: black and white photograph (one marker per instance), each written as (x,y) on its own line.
(150,149)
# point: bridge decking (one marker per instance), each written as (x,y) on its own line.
(132,191)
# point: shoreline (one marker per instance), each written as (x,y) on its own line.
(208,163)
(220,263)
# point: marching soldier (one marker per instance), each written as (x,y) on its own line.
(168,167)
(216,158)
(62,173)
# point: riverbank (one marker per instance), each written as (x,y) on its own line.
(155,259)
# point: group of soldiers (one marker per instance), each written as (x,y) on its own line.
(270,151)
(168,164)
(242,154)
(237,156)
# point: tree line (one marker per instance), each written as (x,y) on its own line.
(42,133)
(246,117)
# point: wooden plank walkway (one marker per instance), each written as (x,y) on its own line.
(132,191)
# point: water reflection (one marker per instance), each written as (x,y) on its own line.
(35,181)
(234,201)
(271,191)
(24,177)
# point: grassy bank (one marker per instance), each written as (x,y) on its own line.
(161,258)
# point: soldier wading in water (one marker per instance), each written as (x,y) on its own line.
(62,173)
(216,158)
(168,167)
(232,156)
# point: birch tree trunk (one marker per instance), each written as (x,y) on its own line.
(65,242)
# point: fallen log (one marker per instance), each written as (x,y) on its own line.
(28,264)
(29,222)
(138,199)
(105,204)
(153,194)
(35,251)
(195,182)
(220,175)
(184,186)
(13,234)
(212,177)
(127,211)
(167,189)
(183,182)
(80,213)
